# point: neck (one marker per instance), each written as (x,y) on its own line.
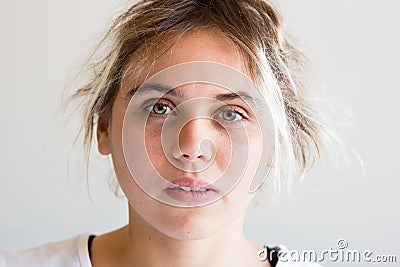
(139,244)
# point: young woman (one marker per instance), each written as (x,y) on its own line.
(198,103)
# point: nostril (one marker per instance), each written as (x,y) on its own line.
(186,156)
(205,150)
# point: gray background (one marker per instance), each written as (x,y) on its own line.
(353,44)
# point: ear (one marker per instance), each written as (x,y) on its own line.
(103,139)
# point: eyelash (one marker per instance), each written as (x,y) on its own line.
(236,110)
(150,108)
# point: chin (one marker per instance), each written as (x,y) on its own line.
(191,225)
(189,232)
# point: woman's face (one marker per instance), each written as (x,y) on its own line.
(168,157)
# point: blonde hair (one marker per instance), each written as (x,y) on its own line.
(150,27)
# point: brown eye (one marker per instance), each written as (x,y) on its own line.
(160,108)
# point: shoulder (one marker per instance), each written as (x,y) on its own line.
(70,252)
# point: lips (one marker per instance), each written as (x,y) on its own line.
(187,182)
(191,191)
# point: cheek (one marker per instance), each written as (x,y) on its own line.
(155,152)
(223,153)
(239,198)
(254,163)
(249,162)
(153,146)
(239,153)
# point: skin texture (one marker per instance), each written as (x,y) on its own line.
(162,235)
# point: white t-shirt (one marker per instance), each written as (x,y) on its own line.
(73,252)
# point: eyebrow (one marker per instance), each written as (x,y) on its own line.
(147,88)
(166,90)
(240,96)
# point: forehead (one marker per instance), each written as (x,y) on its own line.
(203,45)
(200,45)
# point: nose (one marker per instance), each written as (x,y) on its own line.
(195,141)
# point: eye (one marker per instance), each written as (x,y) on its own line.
(230,114)
(159,109)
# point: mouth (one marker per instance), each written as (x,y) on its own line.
(191,185)
(186,188)
(191,190)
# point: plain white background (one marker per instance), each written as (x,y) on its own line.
(353,44)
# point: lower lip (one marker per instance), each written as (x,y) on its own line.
(191,197)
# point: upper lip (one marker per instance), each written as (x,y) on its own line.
(191,182)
